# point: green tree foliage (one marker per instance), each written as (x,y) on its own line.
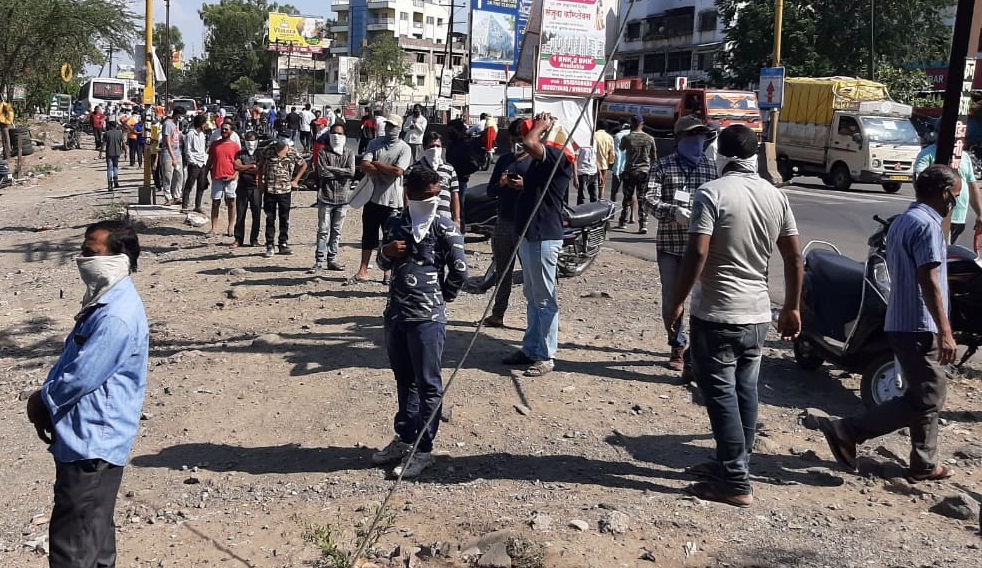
(245,87)
(831,37)
(160,43)
(906,85)
(383,69)
(236,44)
(41,35)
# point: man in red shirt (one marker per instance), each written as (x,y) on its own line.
(98,119)
(221,164)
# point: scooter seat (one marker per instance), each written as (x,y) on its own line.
(587,214)
(834,292)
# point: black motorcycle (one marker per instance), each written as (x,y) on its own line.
(584,231)
(844,306)
(72,134)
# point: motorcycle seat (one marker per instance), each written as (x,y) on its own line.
(834,291)
(587,214)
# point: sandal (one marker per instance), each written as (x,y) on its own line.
(354,280)
(518,358)
(539,369)
(941,471)
(210,235)
(708,491)
(843,451)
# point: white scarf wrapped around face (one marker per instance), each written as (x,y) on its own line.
(745,165)
(422,214)
(100,273)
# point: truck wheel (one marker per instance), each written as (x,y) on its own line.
(840,177)
(882,381)
(891,187)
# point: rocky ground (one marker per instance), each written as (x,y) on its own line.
(269,389)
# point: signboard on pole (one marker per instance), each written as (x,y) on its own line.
(346,68)
(446,83)
(771,95)
(497,27)
(572,47)
(296,34)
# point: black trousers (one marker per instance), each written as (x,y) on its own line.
(196,175)
(277,205)
(247,198)
(82,533)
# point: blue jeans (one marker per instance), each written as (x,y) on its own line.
(539,260)
(112,168)
(330,221)
(669,266)
(415,351)
(726,362)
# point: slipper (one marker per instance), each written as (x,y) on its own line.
(518,358)
(708,491)
(210,235)
(843,451)
(938,473)
(354,280)
(539,369)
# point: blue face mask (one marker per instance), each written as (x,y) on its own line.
(690,149)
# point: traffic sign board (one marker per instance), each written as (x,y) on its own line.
(771,94)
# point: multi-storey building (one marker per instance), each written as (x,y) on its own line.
(665,39)
(422,27)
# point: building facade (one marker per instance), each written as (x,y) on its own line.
(423,30)
(665,39)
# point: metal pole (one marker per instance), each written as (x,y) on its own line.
(778,22)
(170,53)
(872,41)
(145,195)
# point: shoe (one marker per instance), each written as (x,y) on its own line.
(316,268)
(335,266)
(269,252)
(518,358)
(843,450)
(285,249)
(675,361)
(494,321)
(621,225)
(395,451)
(712,491)
(254,244)
(410,469)
(116,183)
(643,231)
(705,470)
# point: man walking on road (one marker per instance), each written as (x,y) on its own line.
(605,158)
(98,119)
(171,159)
(88,410)
(115,146)
(293,123)
(414,129)
(248,198)
(277,180)
(639,149)
(736,222)
(671,190)
(539,249)
(918,329)
(620,157)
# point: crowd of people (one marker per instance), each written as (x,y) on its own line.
(718,221)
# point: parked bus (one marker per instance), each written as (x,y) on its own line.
(102,91)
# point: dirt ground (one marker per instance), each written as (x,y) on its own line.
(269,389)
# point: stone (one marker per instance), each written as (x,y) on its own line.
(764,445)
(579,525)
(236,272)
(267,340)
(541,522)
(614,522)
(596,294)
(495,557)
(647,555)
(523,410)
(483,544)
(970,451)
(234,294)
(810,417)
(26,394)
(960,507)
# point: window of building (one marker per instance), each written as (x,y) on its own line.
(439,41)
(420,58)
(680,61)
(631,67)
(707,21)
(455,60)
(429,20)
(706,61)
(654,62)
(441,59)
(404,16)
(633,31)
(420,80)
(439,21)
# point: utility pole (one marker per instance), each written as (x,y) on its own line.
(145,195)
(170,53)
(872,40)
(778,24)
(109,50)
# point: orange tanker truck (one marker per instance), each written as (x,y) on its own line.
(662,107)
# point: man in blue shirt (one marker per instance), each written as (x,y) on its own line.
(918,329)
(88,409)
(419,246)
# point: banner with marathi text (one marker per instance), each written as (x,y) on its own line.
(572,47)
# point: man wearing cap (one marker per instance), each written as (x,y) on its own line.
(384,162)
(640,152)
(671,188)
(737,222)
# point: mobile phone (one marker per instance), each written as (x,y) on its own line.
(512,175)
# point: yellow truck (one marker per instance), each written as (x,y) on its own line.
(845,130)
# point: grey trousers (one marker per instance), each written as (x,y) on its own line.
(82,533)
(504,241)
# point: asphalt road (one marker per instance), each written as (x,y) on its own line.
(843,218)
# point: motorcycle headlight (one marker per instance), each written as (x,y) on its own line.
(881,277)
(875,163)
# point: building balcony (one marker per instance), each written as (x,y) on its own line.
(382,24)
(382,4)
(339,27)
(338,48)
(340,5)
(417,25)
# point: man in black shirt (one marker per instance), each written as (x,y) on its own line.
(114,141)
(247,194)
(539,249)
(293,123)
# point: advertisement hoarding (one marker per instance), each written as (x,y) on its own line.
(296,34)
(346,68)
(572,47)
(497,27)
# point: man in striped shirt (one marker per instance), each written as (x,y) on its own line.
(432,158)
(918,329)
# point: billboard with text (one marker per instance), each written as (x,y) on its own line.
(497,27)
(296,34)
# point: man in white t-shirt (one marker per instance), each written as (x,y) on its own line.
(330,116)
(306,118)
(737,220)
(413,128)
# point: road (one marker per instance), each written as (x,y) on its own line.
(843,218)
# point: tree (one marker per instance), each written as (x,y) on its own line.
(245,87)
(906,85)
(236,44)
(160,43)
(383,68)
(831,37)
(41,35)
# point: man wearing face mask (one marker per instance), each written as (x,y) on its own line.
(918,329)
(247,194)
(737,220)
(671,188)
(414,129)
(280,170)
(425,253)
(385,161)
(432,158)
(335,168)
(88,410)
